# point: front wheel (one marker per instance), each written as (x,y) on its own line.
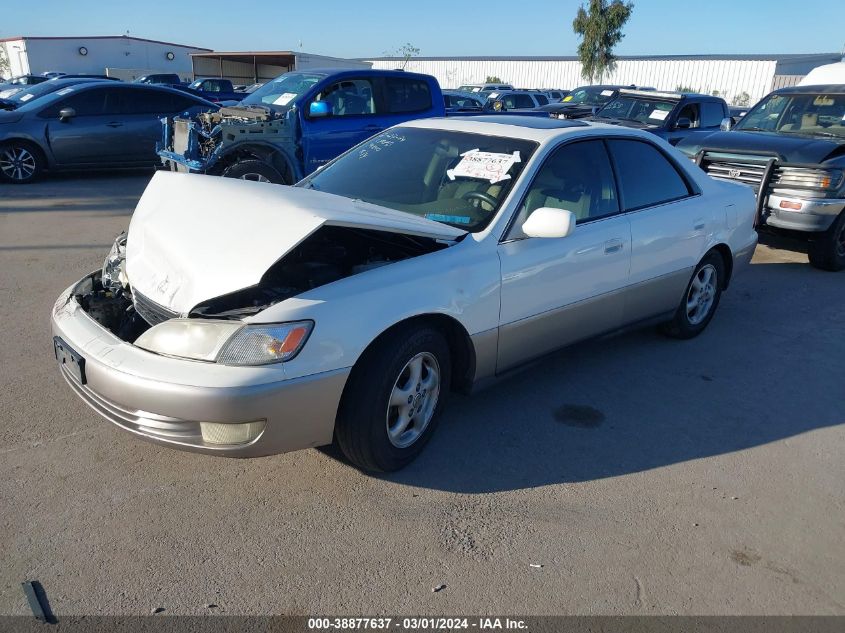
(256,170)
(393,400)
(20,163)
(700,299)
(827,252)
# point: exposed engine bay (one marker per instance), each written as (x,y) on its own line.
(330,254)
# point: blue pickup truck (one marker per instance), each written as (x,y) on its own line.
(299,121)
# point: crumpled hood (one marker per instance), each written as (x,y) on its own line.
(193,237)
(791,148)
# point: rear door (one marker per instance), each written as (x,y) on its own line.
(142,109)
(669,225)
(353,118)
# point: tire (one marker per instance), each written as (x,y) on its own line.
(371,417)
(700,300)
(827,251)
(20,162)
(256,170)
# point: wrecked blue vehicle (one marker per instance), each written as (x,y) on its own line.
(299,121)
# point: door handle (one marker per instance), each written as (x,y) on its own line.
(699,224)
(114,124)
(613,246)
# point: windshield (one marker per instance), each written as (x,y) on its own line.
(807,114)
(282,91)
(456,178)
(589,96)
(645,111)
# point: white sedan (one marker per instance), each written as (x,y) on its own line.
(243,319)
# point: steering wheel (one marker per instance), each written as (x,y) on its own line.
(482,197)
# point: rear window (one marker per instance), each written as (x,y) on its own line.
(407,95)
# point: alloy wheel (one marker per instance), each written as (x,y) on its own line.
(255,178)
(17,163)
(702,292)
(413,400)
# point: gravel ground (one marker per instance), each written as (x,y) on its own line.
(629,475)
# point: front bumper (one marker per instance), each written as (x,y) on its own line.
(812,214)
(163,400)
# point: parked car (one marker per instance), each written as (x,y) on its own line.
(12,86)
(438,255)
(39,90)
(585,101)
(456,101)
(515,100)
(790,148)
(484,88)
(90,125)
(52,74)
(216,89)
(670,115)
(166,79)
(737,112)
(299,121)
(556,96)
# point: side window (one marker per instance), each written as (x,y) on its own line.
(712,113)
(523,101)
(690,111)
(646,177)
(407,95)
(541,99)
(577,177)
(88,103)
(349,97)
(147,102)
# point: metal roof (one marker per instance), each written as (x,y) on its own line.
(100,37)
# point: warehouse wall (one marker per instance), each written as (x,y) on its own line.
(730,78)
(62,54)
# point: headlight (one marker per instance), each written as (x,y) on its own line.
(226,342)
(113,277)
(807,177)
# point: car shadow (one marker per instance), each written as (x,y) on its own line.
(762,372)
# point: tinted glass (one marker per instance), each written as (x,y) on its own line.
(805,114)
(577,177)
(87,103)
(646,177)
(452,177)
(407,95)
(147,102)
(712,113)
(542,100)
(524,101)
(641,109)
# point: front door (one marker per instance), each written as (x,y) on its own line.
(87,138)
(556,291)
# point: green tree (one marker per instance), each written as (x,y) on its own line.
(492,79)
(406,52)
(600,29)
(742,99)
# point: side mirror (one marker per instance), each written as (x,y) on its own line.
(726,124)
(549,222)
(66,113)
(319,109)
(683,124)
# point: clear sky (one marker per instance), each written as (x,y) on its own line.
(437,27)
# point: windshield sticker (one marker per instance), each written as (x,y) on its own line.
(285,99)
(493,95)
(484,165)
(660,115)
(607,93)
(27,97)
(449,219)
(568,98)
(64,91)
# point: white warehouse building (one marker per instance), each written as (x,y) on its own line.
(118,56)
(730,76)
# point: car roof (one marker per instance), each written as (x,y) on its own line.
(824,89)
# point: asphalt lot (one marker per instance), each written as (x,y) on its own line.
(645,475)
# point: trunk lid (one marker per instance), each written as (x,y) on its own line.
(194,237)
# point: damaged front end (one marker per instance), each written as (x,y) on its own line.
(199,144)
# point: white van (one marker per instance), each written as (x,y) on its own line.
(825,75)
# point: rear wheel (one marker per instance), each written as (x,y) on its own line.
(827,252)
(395,394)
(256,170)
(20,162)
(700,300)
